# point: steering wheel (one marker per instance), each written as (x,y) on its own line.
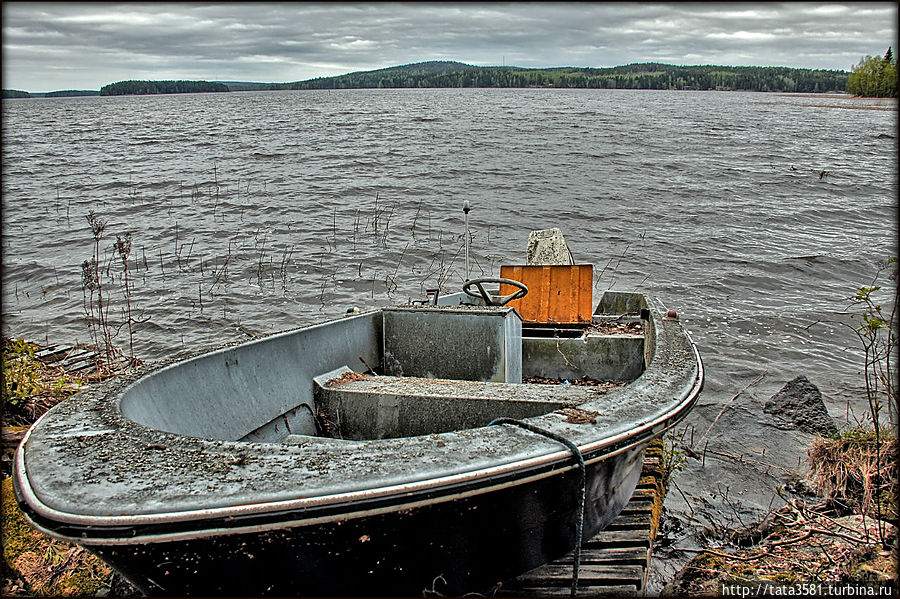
(494,300)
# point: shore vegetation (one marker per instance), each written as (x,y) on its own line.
(35,565)
(874,77)
(31,387)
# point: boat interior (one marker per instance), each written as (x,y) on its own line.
(441,364)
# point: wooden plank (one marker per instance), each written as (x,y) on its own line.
(621,536)
(612,555)
(556,293)
(642,496)
(629,520)
(638,507)
(647,494)
(640,501)
(52,353)
(78,355)
(613,540)
(625,590)
(588,574)
(12,436)
(89,362)
(71,358)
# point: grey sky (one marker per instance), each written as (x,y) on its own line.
(72,45)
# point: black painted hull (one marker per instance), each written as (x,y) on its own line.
(455,546)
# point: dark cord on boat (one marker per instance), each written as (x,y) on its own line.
(579,527)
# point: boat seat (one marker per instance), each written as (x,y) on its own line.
(379,407)
(440,342)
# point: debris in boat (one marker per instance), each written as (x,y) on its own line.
(347,377)
(579,416)
(327,427)
(615,327)
(579,382)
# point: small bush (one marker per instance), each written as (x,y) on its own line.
(21,373)
(31,387)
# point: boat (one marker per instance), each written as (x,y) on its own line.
(441,447)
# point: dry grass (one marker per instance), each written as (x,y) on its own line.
(855,107)
(35,565)
(858,471)
(38,566)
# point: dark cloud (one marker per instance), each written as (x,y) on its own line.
(84,45)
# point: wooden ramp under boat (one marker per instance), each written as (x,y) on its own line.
(616,562)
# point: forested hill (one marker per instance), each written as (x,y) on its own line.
(632,76)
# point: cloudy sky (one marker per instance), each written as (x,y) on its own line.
(78,45)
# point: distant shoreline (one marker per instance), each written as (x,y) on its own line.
(455,75)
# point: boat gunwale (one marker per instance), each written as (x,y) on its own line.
(553,461)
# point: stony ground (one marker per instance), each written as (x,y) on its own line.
(800,545)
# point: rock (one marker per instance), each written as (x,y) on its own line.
(799,405)
(547,247)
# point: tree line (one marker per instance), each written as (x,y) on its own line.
(874,77)
(633,76)
(132,87)
(66,93)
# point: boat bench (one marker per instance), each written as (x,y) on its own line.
(361,406)
(600,357)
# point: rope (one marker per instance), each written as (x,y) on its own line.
(579,527)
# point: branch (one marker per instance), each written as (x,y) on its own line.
(728,403)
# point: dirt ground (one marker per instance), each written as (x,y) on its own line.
(800,545)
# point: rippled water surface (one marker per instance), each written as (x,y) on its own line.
(256,212)
(753,215)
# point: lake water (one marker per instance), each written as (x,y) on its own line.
(261,211)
